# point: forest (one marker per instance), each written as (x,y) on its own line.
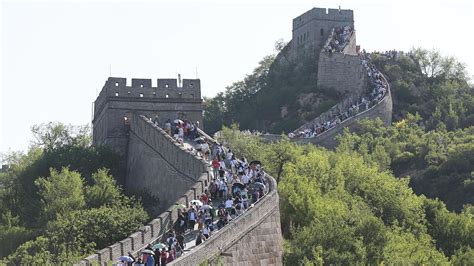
(347,207)
(60,200)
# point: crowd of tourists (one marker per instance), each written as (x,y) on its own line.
(338,39)
(235,187)
(178,129)
(377,91)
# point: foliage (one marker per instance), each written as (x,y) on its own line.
(440,162)
(60,198)
(277,96)
(344,207)
(434,86)
(61,193)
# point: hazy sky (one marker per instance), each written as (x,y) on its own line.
(56,56)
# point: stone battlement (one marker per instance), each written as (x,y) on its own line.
(344,15)
(142,88)
(311,29)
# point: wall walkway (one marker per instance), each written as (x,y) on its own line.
(382,110)
(252,238)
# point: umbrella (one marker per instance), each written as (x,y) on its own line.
(206,207)
(159,246)
(178,121)
(147,251)
(126,259)
(259,185)
(238,185)
(196,202)
(255,162)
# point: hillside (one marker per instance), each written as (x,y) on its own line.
(431,93)
(284,95)
(343,207)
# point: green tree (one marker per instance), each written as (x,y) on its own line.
(61,193)
(104,191)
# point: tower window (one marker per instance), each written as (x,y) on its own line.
(167,96)
(141,85)
(167,85)
(321,31)
(141,94)
(116,94)
(116,84)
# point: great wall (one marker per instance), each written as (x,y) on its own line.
(156,164)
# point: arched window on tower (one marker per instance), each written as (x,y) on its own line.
(321,31)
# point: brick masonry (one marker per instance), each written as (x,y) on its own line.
(254,238)
(342,72)
(156,163)
(382,110)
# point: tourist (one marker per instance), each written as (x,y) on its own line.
(215,166)
(199,238)
(164,257)
(192,217)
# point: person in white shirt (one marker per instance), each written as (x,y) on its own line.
(245,179)
(206,232)
(205,150)
(229,203)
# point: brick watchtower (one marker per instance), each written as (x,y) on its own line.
(312,29)
(116,103)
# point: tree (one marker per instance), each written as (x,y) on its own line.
(53,135)
(104,191)
(61,193)
(281,153)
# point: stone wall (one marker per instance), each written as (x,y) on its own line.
(117,103)
(158,166)
(162,166)
(254,238)
(151,141)
(312,28)
(382,110)
(342,72)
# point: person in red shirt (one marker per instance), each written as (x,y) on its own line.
(215,167)
(205,198)
(164,257)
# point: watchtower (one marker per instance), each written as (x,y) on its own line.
(312,29)
(117,102)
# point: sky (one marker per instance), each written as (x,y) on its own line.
(56,56)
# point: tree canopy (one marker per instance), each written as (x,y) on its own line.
(344,207)
(59,201)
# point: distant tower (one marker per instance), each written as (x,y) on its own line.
(116,103)
(312,29)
